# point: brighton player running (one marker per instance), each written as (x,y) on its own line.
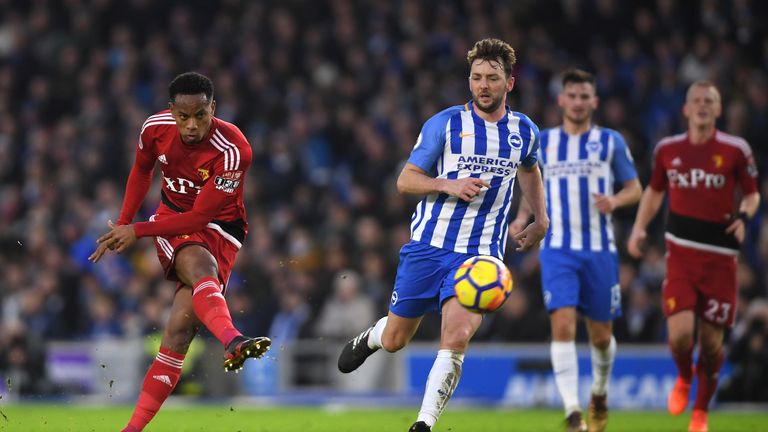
(701,170)
(465,163)
(579,263)
(198,229)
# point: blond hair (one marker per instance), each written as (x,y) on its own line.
(705,84)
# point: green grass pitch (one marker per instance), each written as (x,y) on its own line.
(212,418)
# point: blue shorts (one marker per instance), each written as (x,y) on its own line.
(424,279)
(588,281)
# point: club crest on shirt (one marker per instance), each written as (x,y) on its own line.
(594,146)
(203,173)
(515,141)
(718,160)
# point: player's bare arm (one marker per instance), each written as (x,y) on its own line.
(649,206)
(747,209)
(415,181)
(629,194)
(533,191)
(521,219)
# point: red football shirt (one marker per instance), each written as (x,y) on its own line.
(202,182)
(701,181)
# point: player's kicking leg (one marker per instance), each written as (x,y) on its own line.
(391,332)
(242,348)
(196,267)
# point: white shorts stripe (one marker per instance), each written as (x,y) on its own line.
(165,245)
(225,234)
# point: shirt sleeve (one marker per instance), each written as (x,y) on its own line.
(746,172)
(659,180)
(623,165)
(533,154)
(139,180)
(430,144)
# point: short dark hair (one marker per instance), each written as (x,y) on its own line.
(494,50)
(190,83)
(578,76)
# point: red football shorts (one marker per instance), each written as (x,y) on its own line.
(701,281)
(223,250)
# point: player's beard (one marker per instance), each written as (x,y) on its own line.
(579,120)
(491,107)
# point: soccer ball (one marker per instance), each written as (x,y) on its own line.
(482,283)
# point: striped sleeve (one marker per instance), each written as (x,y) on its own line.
(233,160)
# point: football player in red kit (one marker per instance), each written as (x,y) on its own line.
(198,229)
(701,170)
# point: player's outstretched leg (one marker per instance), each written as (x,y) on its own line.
(358,349)
(211,309)
(242,348)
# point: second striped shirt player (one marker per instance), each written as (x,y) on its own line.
(579,263)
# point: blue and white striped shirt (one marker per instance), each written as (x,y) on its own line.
(456,143)
(575,167)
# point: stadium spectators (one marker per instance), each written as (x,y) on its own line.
(329,96)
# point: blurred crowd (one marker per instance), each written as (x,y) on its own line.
(331,95)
